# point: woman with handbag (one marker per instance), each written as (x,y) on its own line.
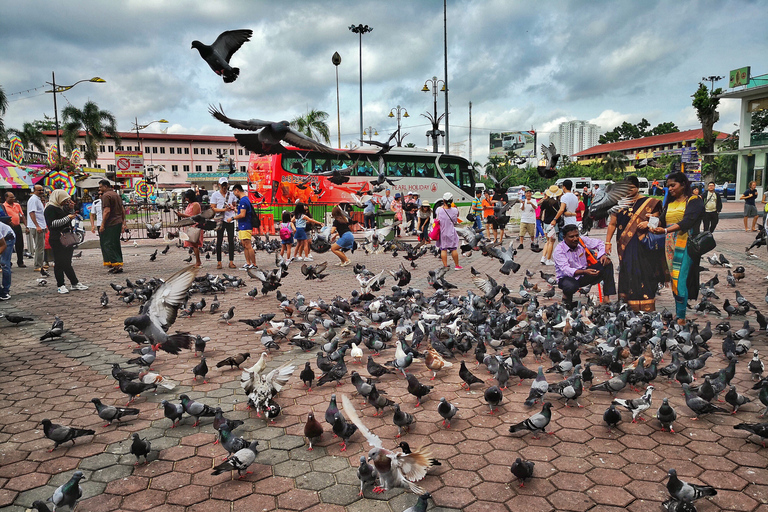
(59,214)
(447,216)
(195,233)
(425,216)
(641,254)
(682,212)
(549,210)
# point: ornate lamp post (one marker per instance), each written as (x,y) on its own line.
(149,172)
(61,88)
(361,29)
(433,118)
(336,59)
(399,109)
(370,132)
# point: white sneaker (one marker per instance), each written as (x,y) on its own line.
(245,266)
(299,258)
(309,258)
(550,263)
(63,289)
(543,260)
(80,286)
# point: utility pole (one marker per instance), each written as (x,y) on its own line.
(470,133)
(445,57)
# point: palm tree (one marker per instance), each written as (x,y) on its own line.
(94,122)
(614,163)
(3,108)
(313,124)
(30,136)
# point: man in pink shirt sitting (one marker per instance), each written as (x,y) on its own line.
(581,261)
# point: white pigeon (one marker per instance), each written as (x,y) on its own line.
(356,353)
(250,376)
(637,405)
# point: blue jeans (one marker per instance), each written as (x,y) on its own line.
(479,222)
(5,261)
(539,229)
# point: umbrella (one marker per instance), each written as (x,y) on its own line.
(62,180)
(143,189)
(16,149)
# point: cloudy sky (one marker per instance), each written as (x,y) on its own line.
(522,64)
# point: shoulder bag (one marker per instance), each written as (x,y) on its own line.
(68,239)
(435,233)
(700,244)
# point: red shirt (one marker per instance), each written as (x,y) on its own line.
(580,211)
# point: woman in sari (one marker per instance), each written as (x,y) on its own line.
(683,211)
(641,270)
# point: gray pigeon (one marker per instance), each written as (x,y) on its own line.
(140,448)
(447,410)
(539,388)
(402,420)
(666,416)
(60,434)
(218,54)
(172,411)
(522,469)
(231,442)
(196,409)
(239,461)
(536,423)
(366,474)
(68,493)
(697,404)
(421,504)
(735,399)
(110,413)
(685,492)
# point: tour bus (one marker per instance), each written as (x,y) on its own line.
(282,179)
(578,183)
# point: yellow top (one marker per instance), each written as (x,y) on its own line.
(675,213)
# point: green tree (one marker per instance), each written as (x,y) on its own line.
(96,124)
(46,124)
(30,136)
(614,163)
(313,124)
(409,145)
(706,102)
(629,131)
(3,108)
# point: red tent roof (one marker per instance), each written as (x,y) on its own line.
(647,142)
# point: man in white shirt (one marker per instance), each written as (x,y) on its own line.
(568,204)
(96,213)
(385,202)
(36,224)
(223,203)
(528,219)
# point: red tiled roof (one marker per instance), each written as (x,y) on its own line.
(161,136)
(647,142)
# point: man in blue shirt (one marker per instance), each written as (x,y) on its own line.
(368,213)
(7,240)
(244,225)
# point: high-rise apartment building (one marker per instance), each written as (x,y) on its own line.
(574,136)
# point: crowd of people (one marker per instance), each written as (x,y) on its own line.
(651,234)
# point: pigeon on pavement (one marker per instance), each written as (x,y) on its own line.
(611,417)
(759,429)
(68,494)
(637,405)
(685,492)
(239,461)
(313,430)
(536,423)
(60,434)
(522,469)
(218,54)
(421,504)
(196,409)
(110,413)
(447,410)
(366,474)
(140,448)
(666,416)
(173,412)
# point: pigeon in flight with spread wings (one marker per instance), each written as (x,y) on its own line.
(158,314)
(551,156)
(269,135)
(385,146)
(498,186)
(610,199)
(394,469)
(218,54)
(201,220)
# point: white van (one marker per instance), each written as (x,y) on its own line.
(645,187)
(578,183)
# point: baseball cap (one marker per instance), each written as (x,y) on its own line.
(410,193)
(447,196)
(223,179)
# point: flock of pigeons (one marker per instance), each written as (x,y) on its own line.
(403,328)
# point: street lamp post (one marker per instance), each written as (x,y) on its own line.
(61,88)
(336,59)
(361,29)
(149,173)
(399,109)
(433,118)
(370,133)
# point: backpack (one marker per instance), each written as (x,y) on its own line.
(285,232)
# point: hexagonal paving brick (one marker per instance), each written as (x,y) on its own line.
(610,495)
(292,468)
(297,499)
(571,501)
(188,495)
(144,500)
(127,485)
(314,481)
(254,502)
(170,481)
(330,464)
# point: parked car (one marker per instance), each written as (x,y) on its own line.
(727,191)
(514,192)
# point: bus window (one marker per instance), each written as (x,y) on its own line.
(451,172)
(467,181)
(321,165)
(425,170)
(399,169)
(296,165)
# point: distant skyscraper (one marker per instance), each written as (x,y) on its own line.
(574,136)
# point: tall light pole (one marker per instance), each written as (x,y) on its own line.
(336,59)
(370,132)
(433,118)
(361,29)
(399,109)
(445,86)
(61,88)
(149,179)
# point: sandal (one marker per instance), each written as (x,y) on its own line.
(218,265)
(232,264)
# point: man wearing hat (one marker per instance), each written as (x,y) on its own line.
(538,196)
(223,203)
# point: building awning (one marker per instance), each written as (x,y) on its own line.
(15,177)
(92,182)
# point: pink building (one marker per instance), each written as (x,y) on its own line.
(178,160)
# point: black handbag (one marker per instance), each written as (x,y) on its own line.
(653,242)
(700,244)
(68,239)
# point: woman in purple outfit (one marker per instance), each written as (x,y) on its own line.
(448,215)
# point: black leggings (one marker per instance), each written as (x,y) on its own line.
(229,227)
(62,261)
